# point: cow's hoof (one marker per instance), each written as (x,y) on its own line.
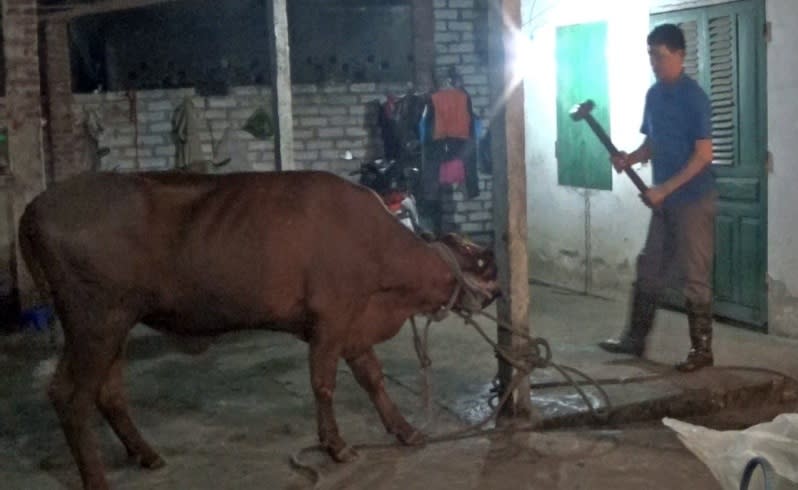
(153,462)
(412,438)
(346,454)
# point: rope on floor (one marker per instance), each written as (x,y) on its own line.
(307,469)
(536,354)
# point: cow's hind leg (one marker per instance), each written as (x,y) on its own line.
(113,404)
(368,372)
(89,350)
(323,365)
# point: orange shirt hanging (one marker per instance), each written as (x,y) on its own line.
(452,119)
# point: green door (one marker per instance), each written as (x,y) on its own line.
(726,55)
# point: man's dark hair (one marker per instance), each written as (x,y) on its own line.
(669,35)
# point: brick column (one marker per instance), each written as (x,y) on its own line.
(424,44)
(59,100)
(24,117)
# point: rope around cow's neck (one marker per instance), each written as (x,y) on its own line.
(525,363)
(536,353)
(448,256)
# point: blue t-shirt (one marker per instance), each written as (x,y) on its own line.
(676,116)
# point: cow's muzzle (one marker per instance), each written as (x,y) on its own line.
(476,293)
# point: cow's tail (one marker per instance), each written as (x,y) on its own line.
(29,237)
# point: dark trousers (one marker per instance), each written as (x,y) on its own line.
(679,250)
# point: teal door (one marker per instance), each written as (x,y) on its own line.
(726,55)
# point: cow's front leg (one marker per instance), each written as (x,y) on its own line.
(323,366)
(368,372)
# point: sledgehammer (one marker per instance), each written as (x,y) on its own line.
(582,112)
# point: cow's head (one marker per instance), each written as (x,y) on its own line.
(479,282)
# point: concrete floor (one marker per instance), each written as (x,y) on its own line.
(233,416)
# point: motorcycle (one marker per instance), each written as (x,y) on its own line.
(393,182)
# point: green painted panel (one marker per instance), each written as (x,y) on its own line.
(724,254)
(750,272)
(582,161)
(740,189)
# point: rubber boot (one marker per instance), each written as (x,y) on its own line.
(699,317)
(633,339)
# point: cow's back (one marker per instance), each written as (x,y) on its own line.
(202,252)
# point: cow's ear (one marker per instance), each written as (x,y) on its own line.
(453,241)
(450,238)
(427,236)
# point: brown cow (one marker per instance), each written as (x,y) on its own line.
(306,253)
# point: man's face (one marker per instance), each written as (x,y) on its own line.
(666,64)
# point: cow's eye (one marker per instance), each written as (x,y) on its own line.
(480,263)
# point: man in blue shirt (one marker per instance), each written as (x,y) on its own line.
(678,141)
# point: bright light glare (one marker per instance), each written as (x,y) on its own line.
(521,56)
(519,63)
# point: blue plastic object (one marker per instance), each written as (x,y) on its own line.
(37,318)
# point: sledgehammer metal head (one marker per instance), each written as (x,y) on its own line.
(580,111)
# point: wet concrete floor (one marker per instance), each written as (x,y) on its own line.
(232,417)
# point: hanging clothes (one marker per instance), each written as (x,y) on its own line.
(186,131)
(448,126)
(92,130)
(453,117)
(452,172)
(386,119)
(398,119)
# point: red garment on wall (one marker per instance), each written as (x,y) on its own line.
(452,172)
(452,117)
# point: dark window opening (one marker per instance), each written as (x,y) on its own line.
(179,44)
(351,41)
(214,45)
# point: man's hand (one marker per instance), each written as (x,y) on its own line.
(654,197)
(621,161)
(699,160)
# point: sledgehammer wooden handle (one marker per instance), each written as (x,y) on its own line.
(582,112)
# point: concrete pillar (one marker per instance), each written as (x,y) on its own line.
(424,44)
(61,124)
(281,85)
(509,194)
(24,116)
